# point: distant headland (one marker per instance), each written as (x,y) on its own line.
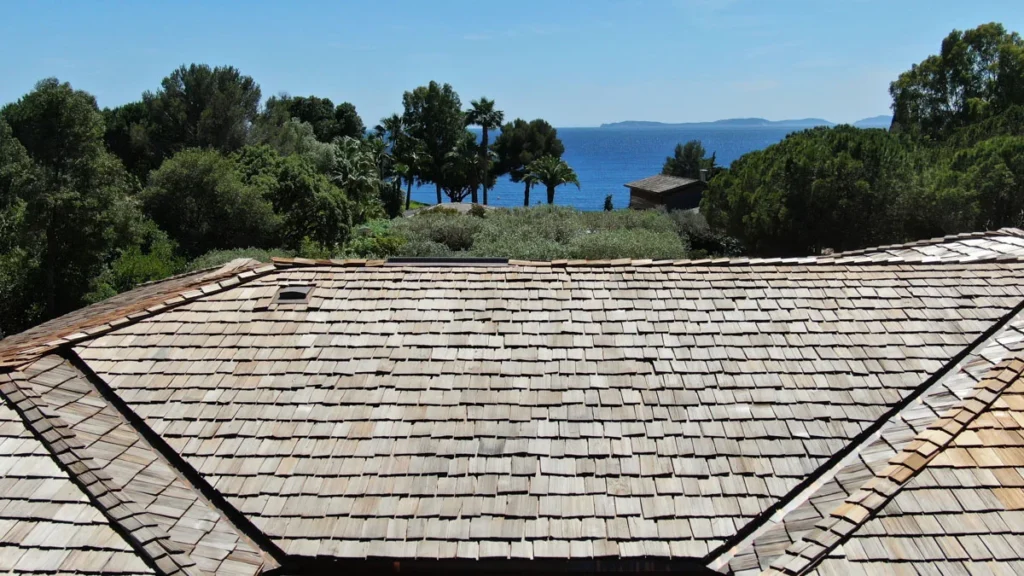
(873,122)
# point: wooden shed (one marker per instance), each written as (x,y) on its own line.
(673,192)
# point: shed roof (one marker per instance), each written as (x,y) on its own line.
(713,412)
(661,183)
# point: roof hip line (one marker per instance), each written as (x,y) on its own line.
(177,462)
(720,557)
(150,543)
(864,504)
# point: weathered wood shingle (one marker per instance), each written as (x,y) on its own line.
(664,404)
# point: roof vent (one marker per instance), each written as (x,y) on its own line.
(293,295)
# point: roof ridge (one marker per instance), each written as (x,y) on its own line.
(932,241)
(19,356)
(851,260)
(124,514)
(865,503)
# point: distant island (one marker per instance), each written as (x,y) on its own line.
(874,122)
(883,121)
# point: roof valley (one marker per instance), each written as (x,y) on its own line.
(719,559)
(947,393)
(185,472)
(863,505)
(129,520)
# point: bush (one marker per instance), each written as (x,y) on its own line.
(703,242)
(622,243)
(450,228)
(392,198)
(219,258)
(421,248)
(439,209)
(152,257)
(652,220)
(478,211)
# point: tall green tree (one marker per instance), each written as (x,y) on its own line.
(482,113)
(18,177)
(201,107)
(199,197)
(551,172)
(329,122)
(688,160)
(77,212)
(522,142)
(127,137)
(460,175)
(433,116)
(312,207)
(977,74)
(348,121)
(402,151)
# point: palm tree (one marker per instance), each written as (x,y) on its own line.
(405,151)
(552,172)
(356,170)
(483,114)
(392,129)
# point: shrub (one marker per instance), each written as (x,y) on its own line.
(623,243)
(423,248)
(450,228)
(392,198)
(702,240)
(652,220)
(478,211)
(154,257)
(374,247)
(218,258)
(439,209)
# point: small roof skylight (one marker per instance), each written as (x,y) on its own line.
(293,294)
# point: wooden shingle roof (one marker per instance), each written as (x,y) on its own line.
(661,183)
(716,413)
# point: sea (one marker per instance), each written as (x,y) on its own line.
(607,158)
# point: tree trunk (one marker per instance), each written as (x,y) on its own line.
(438,186)
(473,194)
(483,165)
(551,194)
(526,195)
(408,194)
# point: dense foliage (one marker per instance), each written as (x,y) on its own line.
(95,202)
(522,142)
(953,162)
(976,75)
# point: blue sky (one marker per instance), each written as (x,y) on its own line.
(572,62)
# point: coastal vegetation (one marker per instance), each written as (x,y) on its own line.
(197,172)
(952,162)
